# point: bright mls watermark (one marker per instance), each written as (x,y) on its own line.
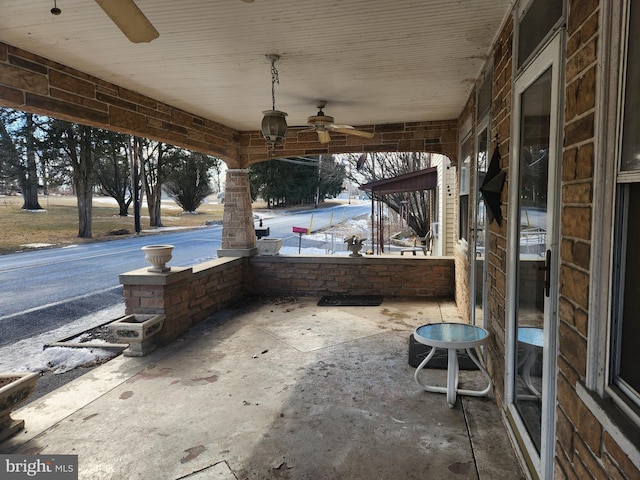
(49,467)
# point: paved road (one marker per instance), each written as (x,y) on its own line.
(44,289)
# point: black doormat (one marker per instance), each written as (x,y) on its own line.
(350,301)
(418,352)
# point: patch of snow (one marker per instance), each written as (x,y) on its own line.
(29,354)
(63,359)
(37,245)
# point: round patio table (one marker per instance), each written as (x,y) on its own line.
(453,337)
(531,339)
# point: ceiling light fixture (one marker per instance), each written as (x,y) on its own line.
(55,10)
(274,124)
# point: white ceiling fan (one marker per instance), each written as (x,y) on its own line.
(130,19)
(323,124)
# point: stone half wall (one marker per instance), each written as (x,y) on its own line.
(187,296)
(317,275)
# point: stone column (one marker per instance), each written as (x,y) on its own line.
(238,232)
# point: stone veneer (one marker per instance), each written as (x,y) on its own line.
(189,295)
(496,243)
(238,232)
(316,275)
(185,295)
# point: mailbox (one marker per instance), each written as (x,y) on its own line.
(300,230)
(262,232)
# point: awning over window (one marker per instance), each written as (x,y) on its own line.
(410,182)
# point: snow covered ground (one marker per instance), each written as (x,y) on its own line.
(29,355)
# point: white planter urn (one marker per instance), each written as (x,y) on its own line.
(269,246)
(15,388)
(158,256)
(138,331)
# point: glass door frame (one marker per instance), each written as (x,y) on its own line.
(549,56)
(483,125)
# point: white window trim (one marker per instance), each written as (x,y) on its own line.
(596,393)
(604,189)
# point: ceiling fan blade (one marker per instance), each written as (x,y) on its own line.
(130,19)
(323,136)
(348,130)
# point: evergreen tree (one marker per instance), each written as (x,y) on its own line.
(112,169)
(19,148)
(188,184)
(286,182)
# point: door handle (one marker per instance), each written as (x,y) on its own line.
(547,273)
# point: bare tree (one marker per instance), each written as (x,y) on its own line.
(157,162)
(415,206)
(78,144)
(112,169)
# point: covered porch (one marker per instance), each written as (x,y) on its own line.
(275,387)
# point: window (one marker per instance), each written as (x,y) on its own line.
(624,376)
(539,18)
(463,188)
(483,104)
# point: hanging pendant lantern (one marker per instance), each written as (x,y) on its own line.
(274,124)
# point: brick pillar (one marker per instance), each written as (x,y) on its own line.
(238,232)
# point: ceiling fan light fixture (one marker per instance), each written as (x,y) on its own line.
(274,123)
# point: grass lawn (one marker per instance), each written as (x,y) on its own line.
(57,224)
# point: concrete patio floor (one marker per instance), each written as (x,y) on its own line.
(275,388)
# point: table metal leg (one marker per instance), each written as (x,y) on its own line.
(428,388)
(528,362)
(477,393)
(452,376)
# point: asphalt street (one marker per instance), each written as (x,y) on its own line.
(44,289)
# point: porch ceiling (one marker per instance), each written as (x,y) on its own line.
(374,61)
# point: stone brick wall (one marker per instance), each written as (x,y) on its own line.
(238,231)
(496,242)
(189,295)
(463,280)
(583,444)
(435,137)
(36,84)
(367,275)
(185,295)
